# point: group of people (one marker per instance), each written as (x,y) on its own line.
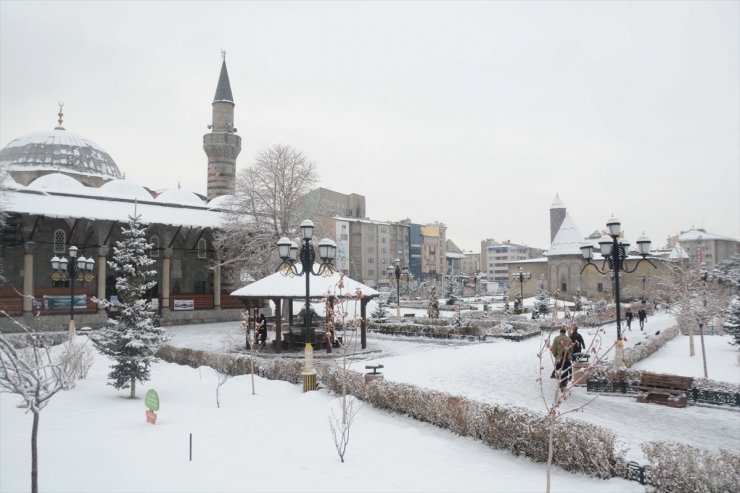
(641,316)
(260,328)
(565,347)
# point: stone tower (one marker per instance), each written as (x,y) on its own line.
(222,144)
(557,216)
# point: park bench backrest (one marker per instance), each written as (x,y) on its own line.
(660,380)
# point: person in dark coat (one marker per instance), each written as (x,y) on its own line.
(629,316)
(262,329)
(642,316)
(578,343)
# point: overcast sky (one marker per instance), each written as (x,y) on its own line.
(473,114)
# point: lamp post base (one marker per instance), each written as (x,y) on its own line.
(71,328)
(309,381)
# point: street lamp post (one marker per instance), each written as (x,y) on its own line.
(398,273)
(521,276)
(289,254)
(614,254)
(704,277)
(74,269)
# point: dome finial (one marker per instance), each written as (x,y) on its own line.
(61,117)
(223,55)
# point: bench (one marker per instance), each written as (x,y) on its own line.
(669,390)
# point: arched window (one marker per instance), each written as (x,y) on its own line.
(154,252)
(201,248)
(60,241)
(199,283)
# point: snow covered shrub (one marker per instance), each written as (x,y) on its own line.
(504,328)
(635,354)
(679,467)
(579,447)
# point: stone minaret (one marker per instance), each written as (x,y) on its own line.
(557,216)
(222,145)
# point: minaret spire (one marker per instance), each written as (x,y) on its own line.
(222,145)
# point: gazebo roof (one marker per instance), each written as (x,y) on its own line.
(278,286)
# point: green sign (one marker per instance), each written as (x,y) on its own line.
(151,400)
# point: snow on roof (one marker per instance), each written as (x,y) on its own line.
(94,207)
(557,203)
(220,202)
(179,196)
(678,252)
(278,286)
(698,234)
(56,182)
(537,260)
(568,239)
(126,189)
(454,255)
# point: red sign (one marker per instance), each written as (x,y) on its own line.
(151,416)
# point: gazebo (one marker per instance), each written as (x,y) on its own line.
(277,287)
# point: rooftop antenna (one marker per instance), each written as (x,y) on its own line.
(61,117)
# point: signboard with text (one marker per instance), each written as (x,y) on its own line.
(62,302)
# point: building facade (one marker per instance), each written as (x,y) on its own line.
(705,248)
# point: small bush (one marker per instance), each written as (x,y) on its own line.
(678,467)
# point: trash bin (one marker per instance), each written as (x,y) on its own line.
(375,375)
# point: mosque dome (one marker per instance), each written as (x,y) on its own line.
(220,202)
(57,150)
(56,182)
(126,189)
(180,197)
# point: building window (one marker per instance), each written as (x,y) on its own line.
(201,248)
(563,286)
(199,283)
(344,237)
(154,252)
(60,241)
(370,272)
(600,287)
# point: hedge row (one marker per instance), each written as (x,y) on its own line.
(678,467)
(578,447)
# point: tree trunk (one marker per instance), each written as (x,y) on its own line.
(549,449)
(35,452)
(692,351)
(133,387)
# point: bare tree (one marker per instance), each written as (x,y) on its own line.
(268,204)
(37,372)
(555,403)
(338,323)
(689,293)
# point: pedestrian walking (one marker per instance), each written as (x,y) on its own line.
(642,317)
(578,343)
(562,351)
(629,316)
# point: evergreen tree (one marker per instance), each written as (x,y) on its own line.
(433,308)
(542,298)
(381,309)
(732,319)
(132,339)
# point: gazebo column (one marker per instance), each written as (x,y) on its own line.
(102,264)
(166,261)
(217,287)
(363,322)
(278,325)
(29,249)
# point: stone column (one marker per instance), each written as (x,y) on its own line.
(217,287)
(28,252)
(102,268)
(278,325)
(363,322)
(166,279)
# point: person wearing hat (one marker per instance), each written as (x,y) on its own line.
(562,351)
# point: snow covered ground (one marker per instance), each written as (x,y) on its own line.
(93,438)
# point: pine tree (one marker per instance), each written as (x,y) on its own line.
(381,310)
(732,319)
(132,339)
(542,298)
(433,308)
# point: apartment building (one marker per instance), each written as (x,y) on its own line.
(704,247)
(433,250)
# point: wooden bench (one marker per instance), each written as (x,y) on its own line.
(669,390)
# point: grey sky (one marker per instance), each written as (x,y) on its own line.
(474,114)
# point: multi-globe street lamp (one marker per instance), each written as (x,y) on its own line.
(398,273)
(289,254)
(79,269)
(614,253)
(521,276)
